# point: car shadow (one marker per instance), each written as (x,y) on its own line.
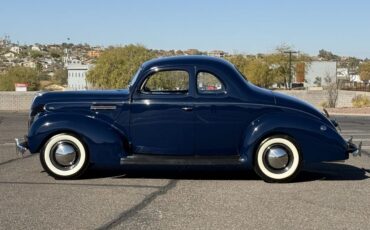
(312,172)
(332,172)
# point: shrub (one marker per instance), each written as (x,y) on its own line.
(19,74)
(360,101)
(324,104)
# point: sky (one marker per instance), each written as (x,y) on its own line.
(235,26)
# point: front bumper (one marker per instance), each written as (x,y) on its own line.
(21,146)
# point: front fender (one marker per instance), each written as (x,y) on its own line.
(104,142)
(315,145)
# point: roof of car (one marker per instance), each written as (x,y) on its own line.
(185,60)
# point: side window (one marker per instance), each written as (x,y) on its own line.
(171,81)
(208,83)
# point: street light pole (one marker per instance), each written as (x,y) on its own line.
(290,67)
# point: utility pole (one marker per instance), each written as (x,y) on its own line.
(66,52)
(290,52)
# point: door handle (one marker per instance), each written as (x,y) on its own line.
(187,109)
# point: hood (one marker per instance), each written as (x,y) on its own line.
(295,103)
(43,98)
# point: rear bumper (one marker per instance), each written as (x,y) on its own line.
(353,149)
(21,146)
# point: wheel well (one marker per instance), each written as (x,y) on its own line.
(125,142)
(72,133)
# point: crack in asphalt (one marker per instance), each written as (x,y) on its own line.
(140,206)
(78,184)
(15,159)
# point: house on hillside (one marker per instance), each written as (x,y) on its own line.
(29,64)
(93,53)
(217,53)
(35,48)
(15,49)
(192,52)
(9,55)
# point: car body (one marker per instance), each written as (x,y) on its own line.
(181,110)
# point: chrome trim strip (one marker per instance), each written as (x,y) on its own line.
(146,159)
(103,107)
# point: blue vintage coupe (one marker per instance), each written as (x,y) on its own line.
(181,110)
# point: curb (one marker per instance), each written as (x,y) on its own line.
(351,114)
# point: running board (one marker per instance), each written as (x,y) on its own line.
(141,159)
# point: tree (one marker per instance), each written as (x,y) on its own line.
(240,63)
(60,76)
(318,81)
(279,61)
(55,54)
(19,74)
(365,71)
(280,65)
(35,54)
(259,73)
(265,70)
(353,63)
(115,67)
(327,55)
(332,89)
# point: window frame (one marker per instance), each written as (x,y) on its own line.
(152,73)
(222,92)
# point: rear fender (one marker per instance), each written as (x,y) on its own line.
(314,144)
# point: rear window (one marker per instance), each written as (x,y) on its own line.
(208,83)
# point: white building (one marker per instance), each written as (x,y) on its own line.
(355,78)
(318,73)
(345,74)
(77,76)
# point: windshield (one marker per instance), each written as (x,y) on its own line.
(134,78)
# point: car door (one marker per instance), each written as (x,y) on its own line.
(161,117)
(219,117)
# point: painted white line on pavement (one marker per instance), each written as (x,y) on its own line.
(354,131)
(355,134)
(361,139)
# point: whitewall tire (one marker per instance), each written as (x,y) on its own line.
(277,159)
(64,156)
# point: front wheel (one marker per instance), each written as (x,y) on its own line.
(64,156)
(277,159)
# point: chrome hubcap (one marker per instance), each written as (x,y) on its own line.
(277,157)
(65,154)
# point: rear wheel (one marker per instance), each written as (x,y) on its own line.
(277,159)
(64,156)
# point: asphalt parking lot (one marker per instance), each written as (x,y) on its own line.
(324,196)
